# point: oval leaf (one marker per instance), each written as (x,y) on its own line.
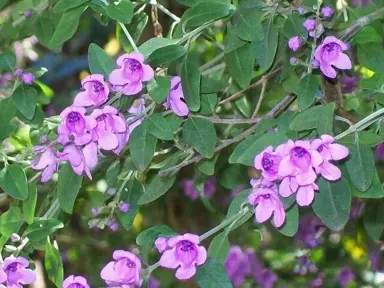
(99,61)
(25,99)
(212,274)
(190,81)
(68,186)
(166,55)
(15,183)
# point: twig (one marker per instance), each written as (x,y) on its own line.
(257,83)
(212,62)
(275,112)
(214,69)
(262,93)
(169,13)
(157,28)
(228,121)
(130,39)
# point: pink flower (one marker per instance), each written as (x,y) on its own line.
(327,12)
(14,272)
(268,162)
(299,161)
(305,193)
(131,74)
(161,244)
(80,160)
(184,254)
(265,202)
(28,78)
(295,43)
(45,159)
(175,99)
(109,122)
(309,24)
(329,151)
(330,53)
(95,92)
(75,282)
(124,271)
(75,126)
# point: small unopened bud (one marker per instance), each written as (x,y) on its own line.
(27,13)
(15,237)
(111,191)
(10,248)
(293,60)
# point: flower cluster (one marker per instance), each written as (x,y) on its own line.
(181,252)
(296,165)
(14,272)
(329,53)
(90,125)
(242,264)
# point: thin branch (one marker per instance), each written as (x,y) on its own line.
(257,83)
(262,93)
(229,121)
(274,113)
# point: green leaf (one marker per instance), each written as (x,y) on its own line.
(368,35)
(68,186)
(205,12)
(135,28)
(293,26)
(29,204)
(318,117)
(7,61)
(15,182)
(37,120)
(374,191)
(207,166)
(219,247)
(66,27)
(156,188)
(147,237)
(212,274)
(248,27)
(208,104)
(142,146)
(209,85)
(231,41)
(236,205)
(190,80)
(291,224)
(247,150)
(113,171)
(374,219)
(365,138)
(64,5)
(150,46)
(11,221)
(174,121)
(265,50)
(240,64)
(6,130)
(41,229)
(159,127)
(25,99)
(99,61)
(332,203)
(44,28)
(308,88)
(371,56)
(373,84)
(53,264)
(130,194)
(201,135)
(122,11)
(360,166)
(165,55)
(159,89)
(7,110)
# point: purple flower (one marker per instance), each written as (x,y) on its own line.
(315,64)
(236,266)
(192,193)
(75,126)
(349,84)
(345,276)
(45,160)
(329,151)
(357,208)
(124,270)
(14,272)
(161,244)
(131,74)
(75,282)
(327,12)
(268,162)
(266,278)
(109,123)
(80,160)
(95,92)
(5,79)
(95,211)
(314,30)
(265,202)
(28,78)
(329,54)
(18,72)
(295,43)
(111,191)
(301,10)
(113,225)
(124,207)
(27,13)
(319,281)
(184,254)
(175,99)
(309,24)
(153,282)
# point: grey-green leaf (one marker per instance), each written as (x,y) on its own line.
(265,50)
(360,166)
(308,88)
(64,5)
(68,187)
(142,146)
(240,64)
(249,27)
(374,219)
(165,55)
(122,11)
(159,89)
(25,99)
(201,135)
(205,12)
(29,205)
(15,182)
(159,127)
(332,203)
(291,224)
(190,80)
(219,247)
(53,264)
(11,221)
(156,188)
(212,274)
(41,229)
(99,61)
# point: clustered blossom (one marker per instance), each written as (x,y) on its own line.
(91,126)
(296,165)
(14,272)
(182,253)
(243,264)
(191,192)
